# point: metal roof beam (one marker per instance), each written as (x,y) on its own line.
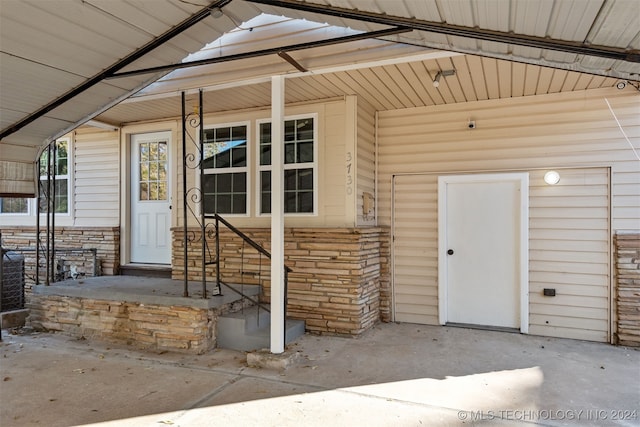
(134,56)
(629,55)
(271,51)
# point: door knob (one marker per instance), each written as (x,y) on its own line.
(450,252)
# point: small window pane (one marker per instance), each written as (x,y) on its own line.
(223,184)
(209,184)
(290,179)
(239,133)
(265,203)
(239,203)
(144,191)
(289,153)
(265,155)
(290,201)
(153,171)
(305,201)
(239,182)
(239,157)
(153,191)
(305,129)
(162,171)
(265,133)
(305,152)
(305,179)
(162,191)
(222,160)
(153,151)
(290,130)
(223,203)
(144,152)
(162,151)
(265,180)
(223,134)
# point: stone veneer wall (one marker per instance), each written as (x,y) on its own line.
(149,326)
(105,239)
(340,280)
(627,257)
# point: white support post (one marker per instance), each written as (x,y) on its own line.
(277,215)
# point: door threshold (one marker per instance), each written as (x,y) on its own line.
(483,327)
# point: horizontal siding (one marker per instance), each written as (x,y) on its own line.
(415,249)
(366,159)
(580,202)
(569,223)
(547,131)
(97,179)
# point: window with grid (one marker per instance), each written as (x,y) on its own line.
(23,206)
(60,166)
(14,205)
(299,166)
(224,185)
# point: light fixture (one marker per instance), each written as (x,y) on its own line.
(445,73)
(216,12)
(552,177)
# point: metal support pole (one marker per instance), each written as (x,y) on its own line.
(38,200)
(52,201)
(277,215)
(218,256)
(203,225)
(47,195)
(185,240)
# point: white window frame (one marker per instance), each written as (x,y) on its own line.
(246,169)
(31,202)
(310,165)
(68,177)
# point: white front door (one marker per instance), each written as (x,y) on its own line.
(483,229)
(150,199)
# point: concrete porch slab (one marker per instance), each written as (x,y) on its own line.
(144,290)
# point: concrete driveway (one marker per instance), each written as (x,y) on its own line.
(394,375)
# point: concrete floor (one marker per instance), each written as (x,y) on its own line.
(394,375)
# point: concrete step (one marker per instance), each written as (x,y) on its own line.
(250,329)
(146,270)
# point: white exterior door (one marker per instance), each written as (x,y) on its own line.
(483,229)
(150,199)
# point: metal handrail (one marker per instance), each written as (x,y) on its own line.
(218,219)
(244,237)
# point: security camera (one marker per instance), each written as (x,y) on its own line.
(621,84)
(472,124)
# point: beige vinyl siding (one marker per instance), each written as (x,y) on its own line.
(96,179)
(415,249)
(366,160)
(574,131)
(335,122)
(569,251)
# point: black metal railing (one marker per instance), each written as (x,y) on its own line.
(215,258)
(193,211)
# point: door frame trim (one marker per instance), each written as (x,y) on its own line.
(126,136)
(523,179)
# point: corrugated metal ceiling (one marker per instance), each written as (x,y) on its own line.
(49,48)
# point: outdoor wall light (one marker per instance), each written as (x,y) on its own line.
(445,73)
(552,177)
